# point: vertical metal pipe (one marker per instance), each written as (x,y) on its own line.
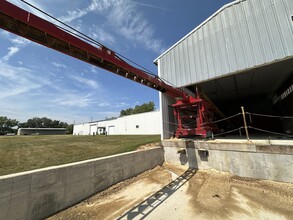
(244,121)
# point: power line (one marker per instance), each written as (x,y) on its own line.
(270,116)
(227,132)
(66,25)
(270,132)
(223,119)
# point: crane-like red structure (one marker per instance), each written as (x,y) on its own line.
(192,113)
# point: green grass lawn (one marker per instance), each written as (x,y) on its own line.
(21,153)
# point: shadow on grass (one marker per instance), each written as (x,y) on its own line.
(143,209)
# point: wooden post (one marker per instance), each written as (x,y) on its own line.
(244,121)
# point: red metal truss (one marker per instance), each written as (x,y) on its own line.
(34,28)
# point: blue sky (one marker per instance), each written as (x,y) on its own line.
(39,82)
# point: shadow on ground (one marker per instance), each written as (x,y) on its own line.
(143,209)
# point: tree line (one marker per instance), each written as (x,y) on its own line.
(8,125)
(146,107)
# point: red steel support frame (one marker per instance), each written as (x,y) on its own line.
(34,28)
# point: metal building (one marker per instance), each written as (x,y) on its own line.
(147,123)
(41,131)
(242,54)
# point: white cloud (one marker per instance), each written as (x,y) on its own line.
(103,104)
(125,18)
(101,35)
(19,41)
(12,51)
(96,5)
(59,65)
(72,15)
(17,80)
(36,95)
(93,69)
(151,6)
(134,26)
(4,33)
(26,7)
(87,82)
(73,100)
(120,105)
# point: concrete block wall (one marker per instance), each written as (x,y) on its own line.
(40,193)
(253,160)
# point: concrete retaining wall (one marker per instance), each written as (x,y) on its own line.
(40,193)
(247,159)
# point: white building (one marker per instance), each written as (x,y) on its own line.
(41,131)
(139,124)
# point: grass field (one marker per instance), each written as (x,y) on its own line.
(21,153)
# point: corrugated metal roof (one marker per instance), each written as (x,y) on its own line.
(241,35)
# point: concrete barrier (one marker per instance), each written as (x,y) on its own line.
(40,193)
(257,159)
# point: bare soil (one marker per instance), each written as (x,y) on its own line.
(150,146)
(219,195)
(172,192)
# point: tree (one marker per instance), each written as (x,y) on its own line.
(34,123)
(70,129)
(7,124)
(46,122)
(43,123)
(146,107)
(122,113)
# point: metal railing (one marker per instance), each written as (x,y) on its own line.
(246,126)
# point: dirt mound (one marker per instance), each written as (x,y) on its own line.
(149,146)
(220,195)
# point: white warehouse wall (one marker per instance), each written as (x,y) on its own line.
(139,124)
(80,129)
(144,123)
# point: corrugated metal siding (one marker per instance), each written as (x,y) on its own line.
(241,35)
(168,121)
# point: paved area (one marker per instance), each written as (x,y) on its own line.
(171,192)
